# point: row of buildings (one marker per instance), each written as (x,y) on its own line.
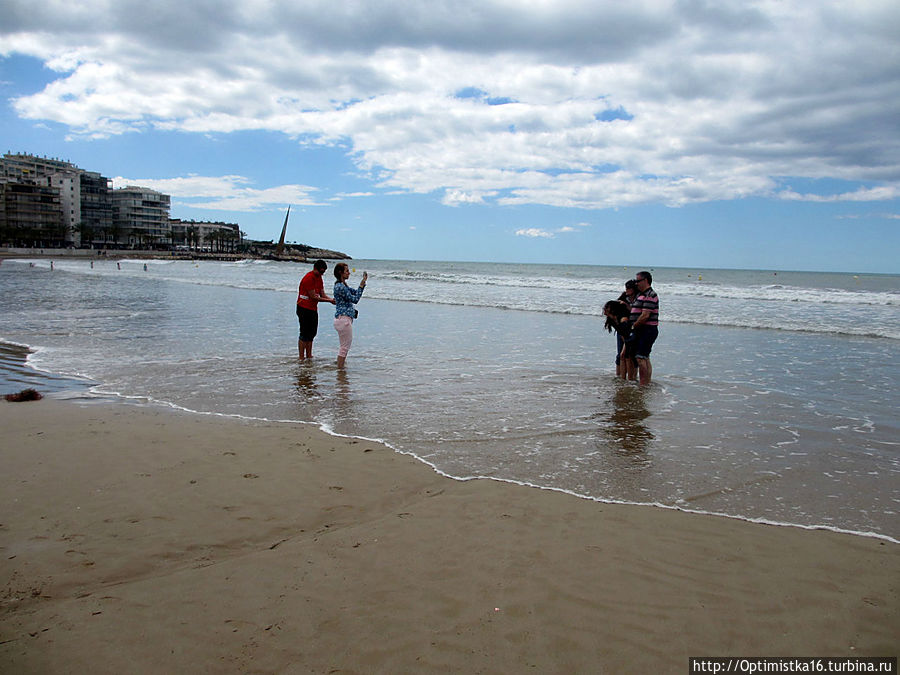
(50,203)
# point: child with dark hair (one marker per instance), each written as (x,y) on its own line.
(617,315)
(630,292)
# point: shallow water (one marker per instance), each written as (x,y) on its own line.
(505,371)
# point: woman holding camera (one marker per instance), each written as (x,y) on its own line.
(344,312)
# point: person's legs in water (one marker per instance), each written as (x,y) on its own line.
(644,340)
(309,325)
(344,327)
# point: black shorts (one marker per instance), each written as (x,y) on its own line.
(309,323)
(644,337)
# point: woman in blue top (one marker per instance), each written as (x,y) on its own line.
(344,312)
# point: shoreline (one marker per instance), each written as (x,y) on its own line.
(71,387)
(232,544)
(123,254)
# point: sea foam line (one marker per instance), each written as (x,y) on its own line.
(325,428)
(99,392)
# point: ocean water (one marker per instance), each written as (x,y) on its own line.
(774,394)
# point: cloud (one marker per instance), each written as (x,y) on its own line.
(860,216)
(224,193)
(571,104)
(345,195)
(883,193)
(457,197)
(534,233)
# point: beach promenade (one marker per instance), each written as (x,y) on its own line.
(146,540)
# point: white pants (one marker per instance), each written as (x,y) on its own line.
(344,327)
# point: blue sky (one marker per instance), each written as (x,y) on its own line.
(693,133)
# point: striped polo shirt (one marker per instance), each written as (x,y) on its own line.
(646,300)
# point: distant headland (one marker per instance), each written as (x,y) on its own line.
(251,250)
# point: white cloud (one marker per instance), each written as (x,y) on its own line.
(345,195)
(883,193)
(456,197)
(534,232)
(224,193)
(860,216)
(573,103)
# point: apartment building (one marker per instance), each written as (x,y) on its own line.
(30,215)
(96,223)
(142,216)
(33,187)
(49,203)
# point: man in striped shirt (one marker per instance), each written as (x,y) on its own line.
(645,324)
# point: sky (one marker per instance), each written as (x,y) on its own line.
(760,134)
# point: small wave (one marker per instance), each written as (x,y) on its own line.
(5,342)
(809,296)
(148,261)
(527,304)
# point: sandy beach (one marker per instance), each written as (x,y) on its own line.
(147,540)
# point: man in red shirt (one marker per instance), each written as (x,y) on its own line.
(310,293)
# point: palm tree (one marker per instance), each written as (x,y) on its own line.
(115,230)
(86,232)
(193,237)
(214,239)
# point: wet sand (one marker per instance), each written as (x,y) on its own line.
(146,540)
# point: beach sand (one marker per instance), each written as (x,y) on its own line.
(146,540)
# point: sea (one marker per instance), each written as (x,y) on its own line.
(774,396)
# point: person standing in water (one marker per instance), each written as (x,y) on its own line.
(645,324)
(617,313)
(344,311)
(626,369)
(310,293)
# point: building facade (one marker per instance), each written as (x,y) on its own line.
(51,203)
(30,215)
(141,217)
(96,224)
(214,237)
(28,182)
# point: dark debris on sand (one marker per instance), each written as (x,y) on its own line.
(25,395)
